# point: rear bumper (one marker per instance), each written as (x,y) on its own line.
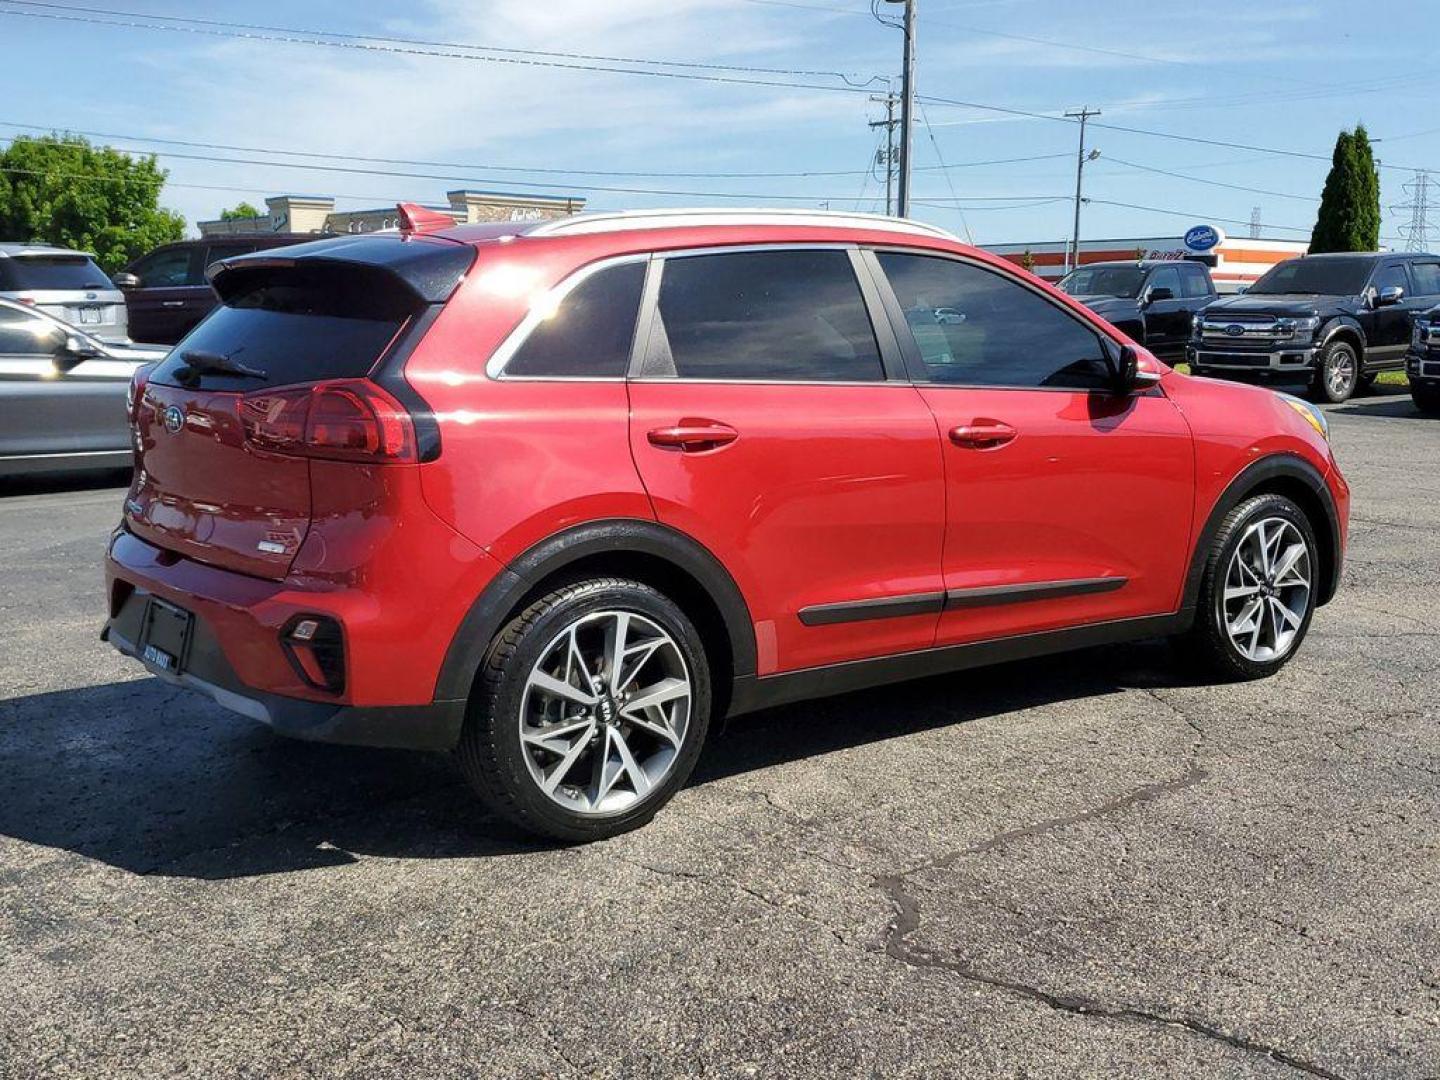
(235,655)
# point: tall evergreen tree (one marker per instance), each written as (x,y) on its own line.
(1349,218)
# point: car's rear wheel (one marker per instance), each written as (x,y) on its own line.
(590,711)
(1426,398)
(1258,591)
(1337,372)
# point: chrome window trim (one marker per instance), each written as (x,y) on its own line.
(554,297)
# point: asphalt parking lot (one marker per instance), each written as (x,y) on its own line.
(1075,867)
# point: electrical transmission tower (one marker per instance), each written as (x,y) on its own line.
(1255,223)
(1416,232)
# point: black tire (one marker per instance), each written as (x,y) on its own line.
(1426,398)
(490,752)
(1208,646)
(1327,385)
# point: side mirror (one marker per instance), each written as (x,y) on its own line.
(1130,377)
(1389,296)
(1158,293)
(126,281)
(74,352)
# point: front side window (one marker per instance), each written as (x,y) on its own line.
(765,315)
(976,327)
(165,269)
(25,334)
(1390,276)
(1194,282)
(590,332)
(1167,277)
(1426,276)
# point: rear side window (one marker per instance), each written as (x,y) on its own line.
(979,328)
(766,315)
(47,272)
(590,333)
(292,326)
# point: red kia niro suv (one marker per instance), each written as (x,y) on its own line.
(562,496)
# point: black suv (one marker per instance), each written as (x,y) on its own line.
(1154,302)
(1332,321)
(1422,363)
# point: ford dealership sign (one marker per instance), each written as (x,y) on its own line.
(1203,238)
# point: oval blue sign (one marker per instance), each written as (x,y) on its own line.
(1202,238)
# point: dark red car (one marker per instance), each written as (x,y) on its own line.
(561,496)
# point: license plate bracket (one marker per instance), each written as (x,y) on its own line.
(165,636)
(91,316)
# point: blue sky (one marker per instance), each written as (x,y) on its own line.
(1284,75)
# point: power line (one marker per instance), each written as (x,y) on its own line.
(1193,215)
(125,20)
(694,64)
(1212,183)
(485,180)
(948,182)
(546,170)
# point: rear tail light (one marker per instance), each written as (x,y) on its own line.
(315,645)
(347,420)
(136,392)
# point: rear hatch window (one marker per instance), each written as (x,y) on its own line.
(202,489)
(292,325)
(36,273)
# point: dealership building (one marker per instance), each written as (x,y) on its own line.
(1234,261)
(317,213)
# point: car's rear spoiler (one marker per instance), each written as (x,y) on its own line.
(427,267)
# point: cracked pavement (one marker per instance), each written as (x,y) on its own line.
(1081,866)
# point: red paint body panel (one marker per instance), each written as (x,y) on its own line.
(830,493)
(1091,486)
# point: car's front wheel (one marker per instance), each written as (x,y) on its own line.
(1337,372)
(1426,398)
(1258,591)
(590,711)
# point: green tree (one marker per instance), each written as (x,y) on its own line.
(60,189)
(1349,218)
(238,211)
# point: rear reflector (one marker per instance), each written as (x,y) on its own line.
(315,645)
(347,420)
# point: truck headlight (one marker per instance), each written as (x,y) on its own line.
(1298,328)
(1313,416)
(1418,332)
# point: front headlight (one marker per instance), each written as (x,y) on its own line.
(1417,333)
(1298,328)
(1313,416)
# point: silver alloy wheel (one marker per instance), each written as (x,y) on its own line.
(1340,373)
(1267,590)
(605,712)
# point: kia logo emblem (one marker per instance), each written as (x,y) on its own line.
(174,420)
(1235,330)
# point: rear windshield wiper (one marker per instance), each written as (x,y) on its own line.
(219,364)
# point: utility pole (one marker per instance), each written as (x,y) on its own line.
(1073,250)
(889,101)
(907,104)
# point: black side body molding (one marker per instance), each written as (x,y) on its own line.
(751,693)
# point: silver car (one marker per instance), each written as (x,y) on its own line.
(68,285)
(62,394)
